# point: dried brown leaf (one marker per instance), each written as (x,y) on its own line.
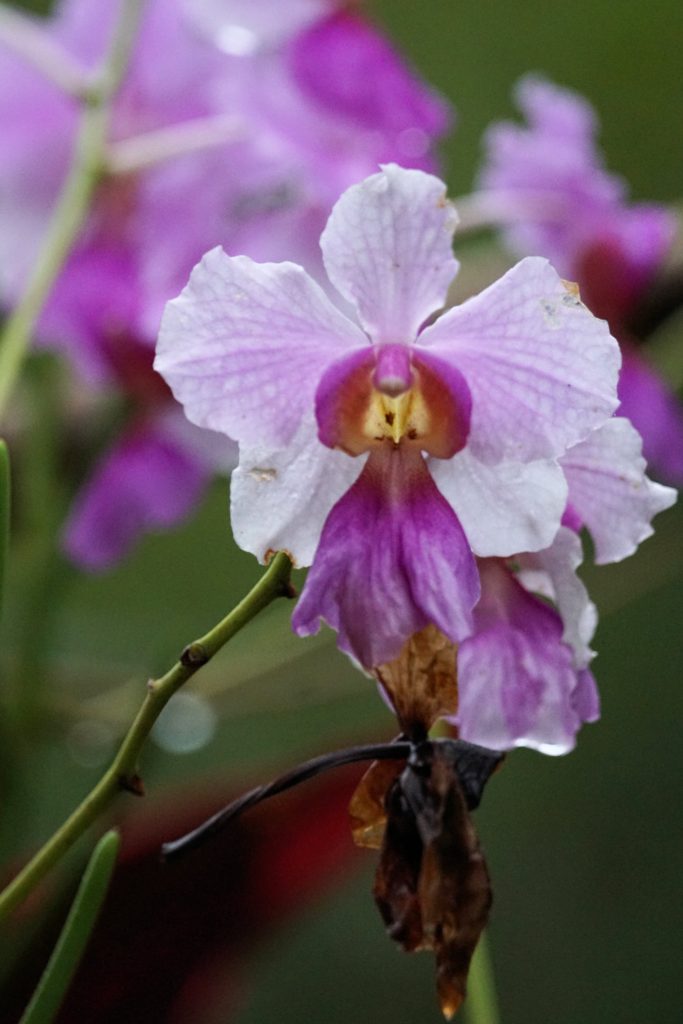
(454,887)
(398,874)
(432,885)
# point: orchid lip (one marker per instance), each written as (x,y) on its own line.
(431,410)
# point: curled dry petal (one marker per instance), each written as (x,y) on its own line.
(367,808)
(422,683)
(432,886)
(422,686)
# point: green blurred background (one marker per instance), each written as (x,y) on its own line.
(584,850)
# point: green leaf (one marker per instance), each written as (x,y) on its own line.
(79,924)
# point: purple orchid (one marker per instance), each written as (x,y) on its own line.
(146,481)
(570,201)
(390,449)
(531,661)
(548,182)
(260,182)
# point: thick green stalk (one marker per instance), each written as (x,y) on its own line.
(73,203)
(123,772)
(77,929)
(481,1005)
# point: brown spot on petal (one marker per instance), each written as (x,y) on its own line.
(422,683)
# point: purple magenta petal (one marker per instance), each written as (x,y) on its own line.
(620,258)
(146,481)
(334,61)
(516,680)
(558,112)
(555,160)
(448,401)
(656,413)
(89,312)
(342,399)
(391,560)
(586,699)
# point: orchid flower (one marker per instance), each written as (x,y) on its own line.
(547,183)
(524,676)
(373,446)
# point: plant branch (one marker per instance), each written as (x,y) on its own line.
(73,203)
(123,772)
(394,751)
(28,39)
(202,133)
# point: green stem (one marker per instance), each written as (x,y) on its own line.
(42,503)
(77,929)
(73,203)
(481,1005)
(122,774)
(27,38)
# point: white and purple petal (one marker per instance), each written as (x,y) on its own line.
(552,165)
(505,508)
(244,345)
(391,560)
(387,249)
(541,368)
(549,180)
(610,492)
(552,573)
(517,684)
(332,63)
(280,499)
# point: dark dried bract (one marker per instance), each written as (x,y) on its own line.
(367,808)
(432,886)
(422,682)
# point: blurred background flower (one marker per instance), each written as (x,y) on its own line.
(244,146)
